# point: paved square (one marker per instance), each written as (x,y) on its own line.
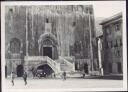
(59,83)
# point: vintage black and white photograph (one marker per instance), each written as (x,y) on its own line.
(63,46)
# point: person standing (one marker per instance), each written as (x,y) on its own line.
(12,78)
(83,75)
(25,77)
(54,75)
(64,75)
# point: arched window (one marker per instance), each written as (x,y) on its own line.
(15,45)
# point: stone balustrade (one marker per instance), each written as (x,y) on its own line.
(38,60)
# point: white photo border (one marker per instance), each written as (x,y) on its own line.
(12,3)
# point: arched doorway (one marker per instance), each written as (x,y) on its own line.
(48,46)
(20,70)
(46,69)
(86,68)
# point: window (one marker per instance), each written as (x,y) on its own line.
(87,10)
(110,67)
(90,11)
(118,53)
(120,42)
(119,67)
(47,21)
(117,27)
(108,31)
(116,44)
(11,10)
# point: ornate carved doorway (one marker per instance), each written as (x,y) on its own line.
(48,46)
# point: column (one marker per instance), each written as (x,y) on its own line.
(26,31)
(91,49)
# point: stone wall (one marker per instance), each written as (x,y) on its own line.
(112,46)
(71,25)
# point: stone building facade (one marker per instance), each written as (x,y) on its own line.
(112,45)
(53,38)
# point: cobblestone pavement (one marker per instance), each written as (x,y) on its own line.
(63,84)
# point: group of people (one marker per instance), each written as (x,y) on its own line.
(24,78)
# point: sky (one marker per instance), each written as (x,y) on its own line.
(108,8)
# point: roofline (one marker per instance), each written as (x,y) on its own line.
(119,15)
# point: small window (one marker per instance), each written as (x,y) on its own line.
(11,10)
(116,44)
(118,53)
(120,42)
(117,27)
(108,31)
(90,11)
(87,10)
(47,21)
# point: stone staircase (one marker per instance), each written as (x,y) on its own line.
(59,66)
(65,65)
(39,60)
(53,64)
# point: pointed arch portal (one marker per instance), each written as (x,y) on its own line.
(48,45)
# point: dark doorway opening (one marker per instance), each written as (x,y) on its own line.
(76,66)
(119,67)
(46,69)
(86,68)
(110,67)
(47,51)
(5,71)
(20,70)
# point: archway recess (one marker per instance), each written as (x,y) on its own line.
(46,69)
(20,70)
